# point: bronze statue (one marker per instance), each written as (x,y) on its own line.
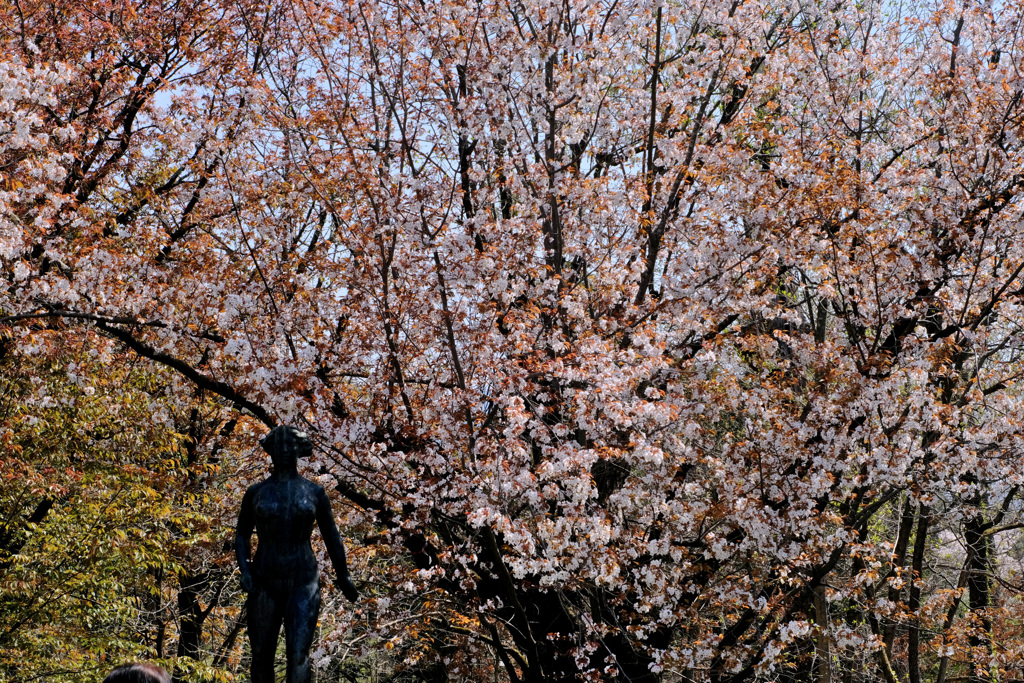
(283,579)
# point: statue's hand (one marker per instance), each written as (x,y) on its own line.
(247,582)
(344,583)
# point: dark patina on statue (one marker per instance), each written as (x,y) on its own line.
(283,579)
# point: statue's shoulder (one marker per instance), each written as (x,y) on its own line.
(312,485)
(313,488)
(254,490)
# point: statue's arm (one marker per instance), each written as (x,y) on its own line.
(335,546)
(243,538)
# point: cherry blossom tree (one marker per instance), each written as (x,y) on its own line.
(638,341)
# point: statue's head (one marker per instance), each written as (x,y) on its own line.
(285,446)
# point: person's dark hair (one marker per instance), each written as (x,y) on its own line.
(139,672)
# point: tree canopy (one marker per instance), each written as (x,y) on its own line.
(637,340)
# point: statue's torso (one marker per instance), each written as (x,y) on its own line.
(284,511)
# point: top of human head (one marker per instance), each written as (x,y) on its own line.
(139,672)
(286,445)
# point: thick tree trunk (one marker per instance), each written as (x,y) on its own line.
(190,617)
(822,653)
(899,557)
(914,601)
(978,592)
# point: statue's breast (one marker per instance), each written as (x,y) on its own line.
(284,506)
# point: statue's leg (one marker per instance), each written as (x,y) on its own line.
(264,614)
(299,629)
